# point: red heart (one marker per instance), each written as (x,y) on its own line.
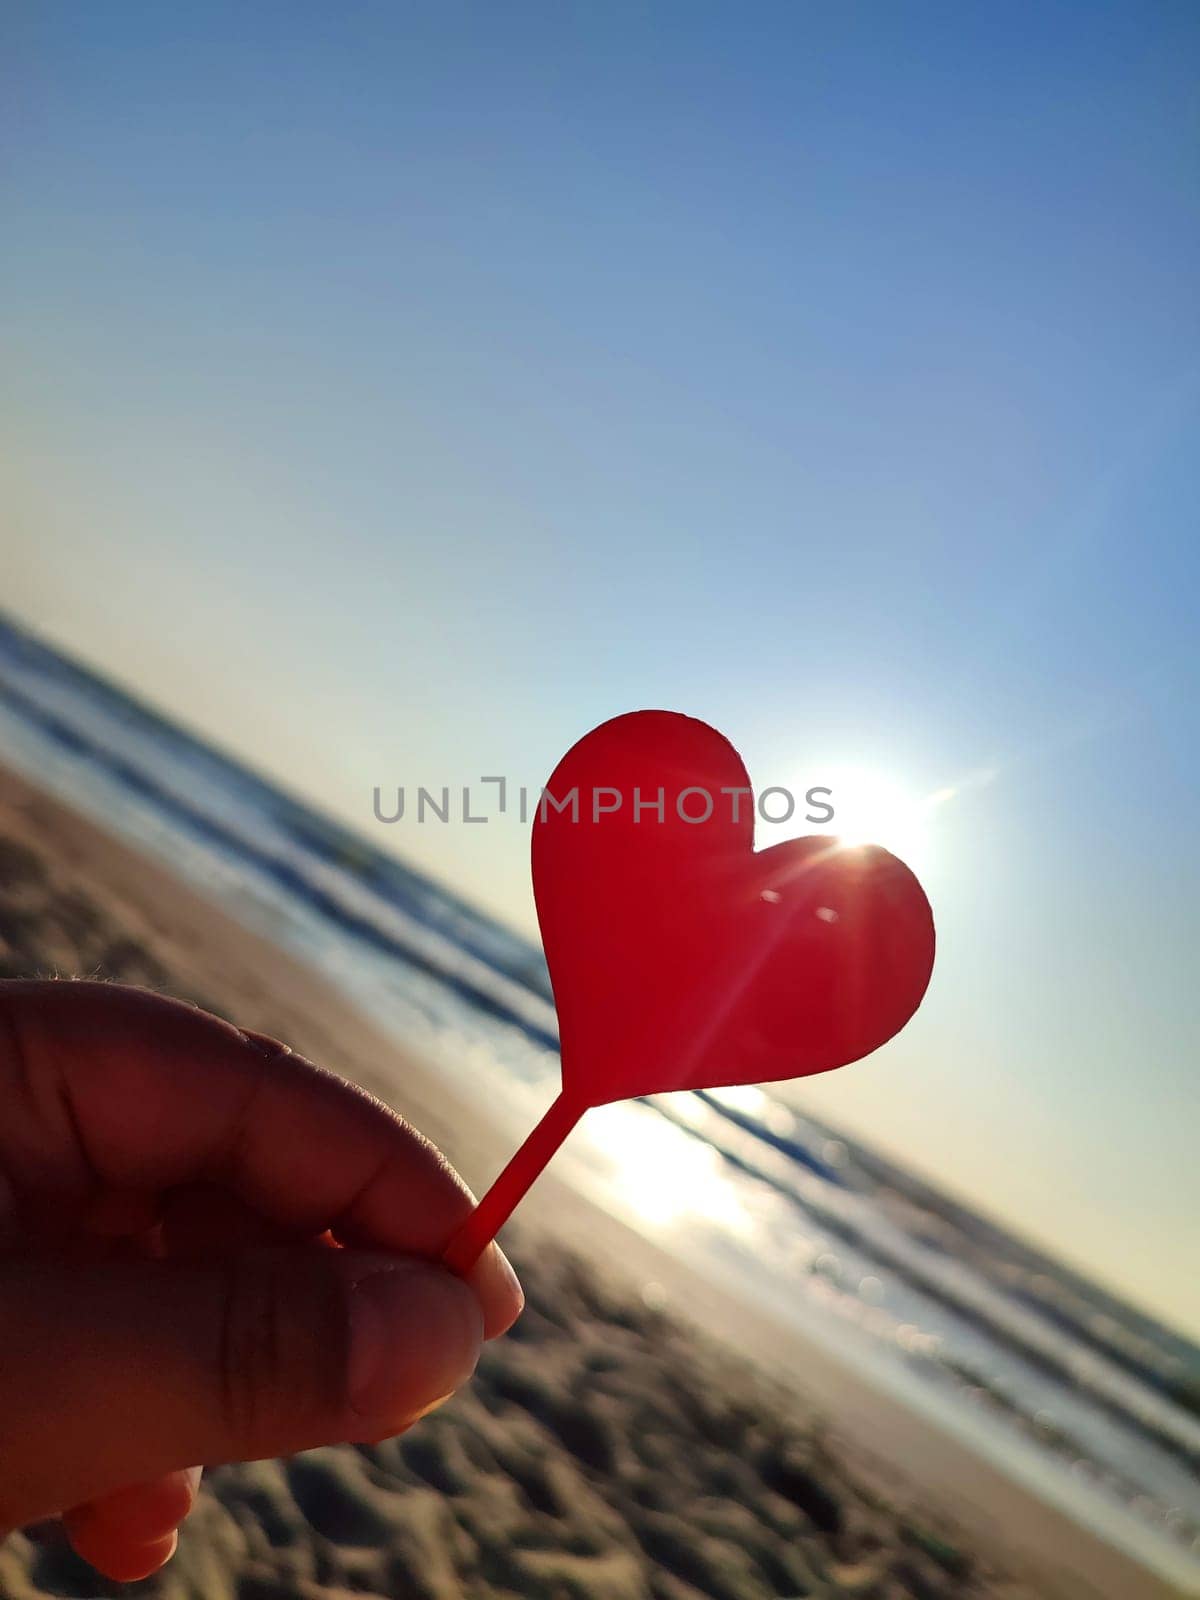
(683,959)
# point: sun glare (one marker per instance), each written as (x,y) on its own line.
(869,808)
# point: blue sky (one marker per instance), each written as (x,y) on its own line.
(393,392)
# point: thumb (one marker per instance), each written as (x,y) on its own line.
(115,1373)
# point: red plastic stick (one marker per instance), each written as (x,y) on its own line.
(497,1205)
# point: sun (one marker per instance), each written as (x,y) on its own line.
(869,807)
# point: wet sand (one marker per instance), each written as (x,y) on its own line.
(607,1449)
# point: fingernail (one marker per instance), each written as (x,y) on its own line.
(415,1333)
(509,1277)
(264,1045)
(193,1476)
(433,1405)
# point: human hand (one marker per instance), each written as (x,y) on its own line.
(169,1191)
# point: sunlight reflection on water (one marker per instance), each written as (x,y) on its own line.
(664,1181)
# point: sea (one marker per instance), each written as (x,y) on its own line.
(1086,1400)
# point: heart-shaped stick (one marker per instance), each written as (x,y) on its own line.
(680,957)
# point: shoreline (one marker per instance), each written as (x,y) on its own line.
(213,958)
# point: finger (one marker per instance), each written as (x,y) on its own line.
(119,1530)
(121,1213)
(118,1373)
(202,1222)
(128,1088)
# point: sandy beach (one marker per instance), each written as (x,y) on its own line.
(608,1449)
